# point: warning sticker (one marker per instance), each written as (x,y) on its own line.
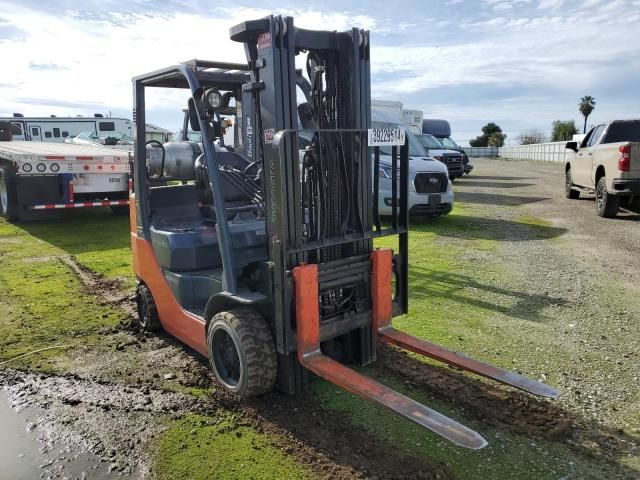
(264,40)
(268,135)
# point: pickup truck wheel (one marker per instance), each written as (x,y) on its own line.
(569,191)
(606,204)
(8,195)
(242,353)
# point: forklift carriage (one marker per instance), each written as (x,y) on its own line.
(259,255)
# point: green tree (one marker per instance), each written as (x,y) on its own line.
(487,131)
(563,131)
(496,139)
(586,106)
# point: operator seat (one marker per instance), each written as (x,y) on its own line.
(183,230)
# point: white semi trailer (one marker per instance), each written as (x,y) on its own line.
(38,177)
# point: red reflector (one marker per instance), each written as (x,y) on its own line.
(86,167)
(84,158)
(54,157)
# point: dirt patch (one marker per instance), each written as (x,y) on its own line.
(110,291)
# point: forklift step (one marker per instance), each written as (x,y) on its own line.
(312,358)
(382,312)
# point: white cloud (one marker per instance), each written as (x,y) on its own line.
(81,60)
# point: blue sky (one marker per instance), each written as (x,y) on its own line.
(521,64)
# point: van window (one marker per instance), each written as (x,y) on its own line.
(47,134)
(65,134)
(56,132)
(18,125)
(107,126)
(35,132)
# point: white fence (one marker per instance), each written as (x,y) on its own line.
(475,152)
(546,152)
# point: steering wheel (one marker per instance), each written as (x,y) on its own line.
(157,142)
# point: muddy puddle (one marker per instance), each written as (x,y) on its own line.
(29,451)
(70,428)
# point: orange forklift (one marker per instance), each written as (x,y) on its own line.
(253,235)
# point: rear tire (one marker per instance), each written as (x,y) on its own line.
(242,353)
(606,204)
(569,191)
(9,195)
(148,319)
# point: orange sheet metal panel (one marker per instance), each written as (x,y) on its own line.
(307,310)
(382,269)
(183,325)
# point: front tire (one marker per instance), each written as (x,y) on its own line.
(9,195)
(242,353)
(606,204)
(569,191)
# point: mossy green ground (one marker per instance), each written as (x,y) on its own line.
(200,448)
(43,303)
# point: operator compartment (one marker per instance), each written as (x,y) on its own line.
(183,222)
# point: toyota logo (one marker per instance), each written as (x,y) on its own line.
(433,181)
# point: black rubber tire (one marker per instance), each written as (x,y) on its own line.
(242,352)
(569,191)
(120,209)
(9,207)
(606,204)
(148,319)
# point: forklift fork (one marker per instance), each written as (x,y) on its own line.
(382,313)
(312,358)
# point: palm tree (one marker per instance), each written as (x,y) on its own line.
(586,106)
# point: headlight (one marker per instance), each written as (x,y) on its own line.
(384,171)
(213,99)
(54,167)
(41,167)
(439,157)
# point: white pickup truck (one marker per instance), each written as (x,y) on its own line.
(606,162)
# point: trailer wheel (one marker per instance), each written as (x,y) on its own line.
(148,320)
(8,195)
(120,209)
(242,353)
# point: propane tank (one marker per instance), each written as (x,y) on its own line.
(179,158)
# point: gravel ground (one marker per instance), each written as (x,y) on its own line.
(589,269)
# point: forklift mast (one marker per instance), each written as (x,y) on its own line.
(317,203)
